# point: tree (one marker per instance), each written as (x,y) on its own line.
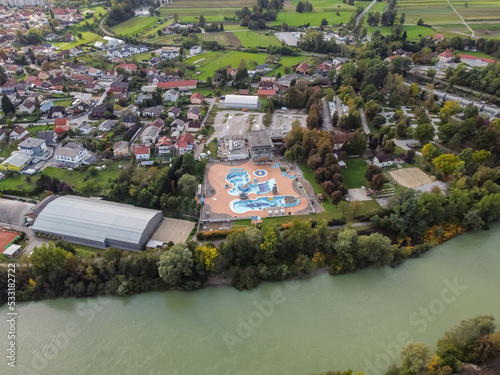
(420,22)
(431,73)
(267,251)
(206,255)
(372,170)
(152,11)
(424,133)
(175,265)
(448,163)
(377,182)
(188,184)
(376,248)
(201,21)
(450,108)
(430,152)
(372,109)
(414,358)
(47,259)
(7,106)
(401,65)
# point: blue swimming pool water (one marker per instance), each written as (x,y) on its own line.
(242,184)
(261,203)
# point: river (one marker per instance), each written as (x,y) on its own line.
(358,321)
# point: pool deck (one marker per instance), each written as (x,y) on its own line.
(218,199)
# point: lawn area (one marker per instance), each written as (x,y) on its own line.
(87,251)
(256,39)
(134,25)
(413,32)
(7,150)
(64,102)
(354,173)
(208,63)
(18,183)
(76,178)
(34,129)
(322,9)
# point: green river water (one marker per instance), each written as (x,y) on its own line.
(357,321)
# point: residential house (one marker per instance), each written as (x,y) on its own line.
(164,145)
(262,69)
(154,60)
(193,126)
(383,160)
(266,93)
(33,146)
(169,53)
(71,155)
(56,112)
(177,125)
(18,133)
(129,120)
(185,143)
(50,137)
(174,112)
(127,67)
(340,138)
(170,96)
(438,37)
(139,100)
(45,105)
(3,134)
(107,125)
(121,148)
(150,135)
(130,133)
(196,98)
(61,125)
(153,111)
(142,152)
(302,69)
(159,123)
(195,50)
(85,128)
(141,49)
(27,107)
(446,56)
(193,113)
(99,110)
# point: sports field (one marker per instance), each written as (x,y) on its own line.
(134,25)
(322,9)
(410,177)
(213,11)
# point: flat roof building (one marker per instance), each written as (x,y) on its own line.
(241,101)
(260,146)
(15,162)
(98,223)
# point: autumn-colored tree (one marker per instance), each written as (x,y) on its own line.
(448,163)
(206,255)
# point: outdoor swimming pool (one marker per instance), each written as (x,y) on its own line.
(263,203)
(240,179)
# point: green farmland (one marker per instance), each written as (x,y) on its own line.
(134,25)
(413,32)
(255,39)
(213,11)
(322,9)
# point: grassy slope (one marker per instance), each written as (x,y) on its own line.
(134,25)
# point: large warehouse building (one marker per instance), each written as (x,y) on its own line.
(98,223)
(241,101)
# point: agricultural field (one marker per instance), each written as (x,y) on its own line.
(207,63)
(413,32)
(213,11)
(322,9)
(486,30)
(134,25)
(223,38)
(255,39)
(479,14)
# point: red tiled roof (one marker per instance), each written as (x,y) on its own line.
(266,92)
(446,53)
(197,95)
(141,150)
(172,84)
(60,121)
(469,57)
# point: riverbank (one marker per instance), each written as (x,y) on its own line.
(293,327)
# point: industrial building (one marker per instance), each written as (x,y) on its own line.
(16,162)
(241,101)
(98,223)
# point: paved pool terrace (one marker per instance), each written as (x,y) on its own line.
(226,182)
